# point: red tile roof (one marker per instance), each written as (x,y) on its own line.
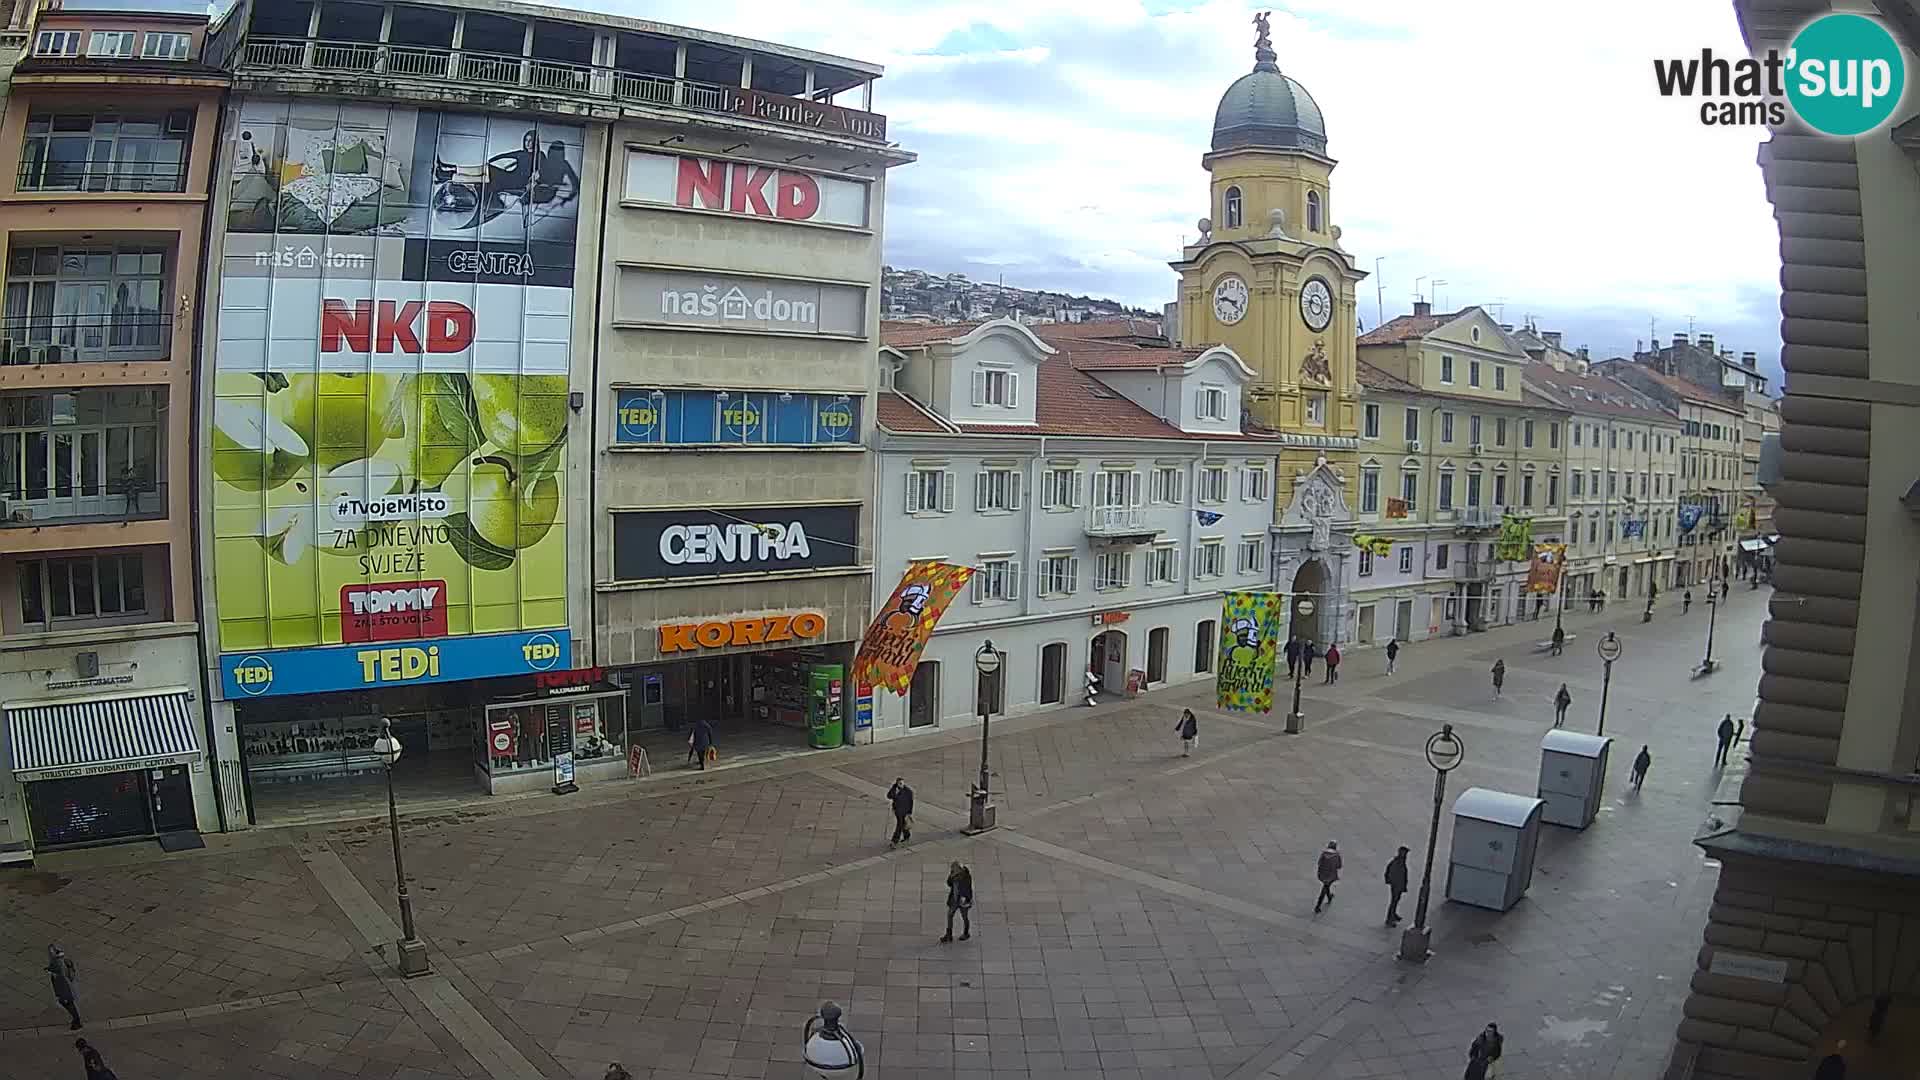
(896,413)
(911,334)
(1376,379)
(1686,388)
(1407,327)
(1590,393)
(1091,356)
(1098,330)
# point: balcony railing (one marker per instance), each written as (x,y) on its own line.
(118,176)
(553,76)
(1479,517)
(80,501)
(1119,522)
(75,339)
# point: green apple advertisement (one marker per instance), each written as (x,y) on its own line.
(390,419)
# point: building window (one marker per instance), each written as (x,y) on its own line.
(1112,570)
(1370,421)
(1553,436)
(1577,474)
(1410,488)
(1499,489)
(110,44)
(1213,484)
(930,491)
(1499,431)
(1446,369)
(1115,488)
(1526,489)
(1613,438)
(1210,558)
(1576,434)
(1212,403)
(1593,531)
(1253,483)
(1167,486)
(1059,574)
(1366,562)
(71,303)
(1253,555)
(1473,429)
(1446,427)
(159,46)
(1314,223)
(85,587)
(1060,489)
(57,43)
(996,489)
(998,578)
(1473,373)
(1233,211)
(1446,487)
(996,386)
(1203,646)
(1613,483)
(1440,555)
(1526,434)
(1412,424)
(1473,488)
(1316,408)
(1406,559)
(87,453)
(1163,564)
(1499,377)
(106,151)
(1370,491)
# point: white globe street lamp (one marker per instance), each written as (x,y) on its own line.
(413,951)
(830,1051)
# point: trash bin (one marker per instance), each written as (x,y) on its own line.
(1495,834)
(1573,777)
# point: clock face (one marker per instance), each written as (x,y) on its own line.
(1316,304)
(1230,300)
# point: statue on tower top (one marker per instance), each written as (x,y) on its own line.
(1263,54)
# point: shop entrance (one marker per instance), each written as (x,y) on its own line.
(1108,659)
(757,705)
(1403,620)
(1157,640)
(1053,673)
(923,696)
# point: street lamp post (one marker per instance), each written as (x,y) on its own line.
(1445,751)
(1609,650)
(1713,610)
(830,1050)
(1561,608)
(981,814)
(413,951)
(1295,719)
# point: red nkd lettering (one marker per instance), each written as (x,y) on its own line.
(797,198)
(749,194)
(701,185)
(389,326)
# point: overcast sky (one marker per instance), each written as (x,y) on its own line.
(1515,149)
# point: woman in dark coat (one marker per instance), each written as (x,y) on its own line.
(960,900)
(701,741)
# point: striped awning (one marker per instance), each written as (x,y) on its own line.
(55,739)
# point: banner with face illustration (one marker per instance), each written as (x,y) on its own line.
(891,647)
(388,433)
(1250,623)
(1543,576)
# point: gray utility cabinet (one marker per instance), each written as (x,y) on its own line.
(1495,835)
(1573,776)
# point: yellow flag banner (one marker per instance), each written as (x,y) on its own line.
(891,647)
(1544,575)
(1252,621)
(1380,546)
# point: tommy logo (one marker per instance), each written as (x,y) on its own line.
(395,611)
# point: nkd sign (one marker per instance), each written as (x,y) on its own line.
(650,297)
(744,188)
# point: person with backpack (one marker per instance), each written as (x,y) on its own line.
(1561,701)
(1328,871)
(959,901)
(1189,729)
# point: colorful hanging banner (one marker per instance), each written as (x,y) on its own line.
(1516,539)
(1633,527)
(1743,519)
(891,647)
(1206,517)
(1398,508)
(1251,622)
(1379,545)
(1544,575)
(1690,516)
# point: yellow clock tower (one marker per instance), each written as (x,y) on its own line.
(1269,279)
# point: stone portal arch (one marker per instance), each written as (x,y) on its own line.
(1312,583)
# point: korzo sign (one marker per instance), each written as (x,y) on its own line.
(650,544)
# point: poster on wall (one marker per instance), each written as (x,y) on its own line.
(388,435)
(891,647)
(1252,622)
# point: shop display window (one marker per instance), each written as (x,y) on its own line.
(527,735)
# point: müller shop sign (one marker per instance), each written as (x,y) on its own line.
(748,189)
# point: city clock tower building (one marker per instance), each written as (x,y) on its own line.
(1269,279)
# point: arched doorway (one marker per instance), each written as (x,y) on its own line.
(1107,657)
(1310,586)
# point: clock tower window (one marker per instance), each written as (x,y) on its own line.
(1233,210)
(1313,212)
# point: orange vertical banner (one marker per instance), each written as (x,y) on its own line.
(891,647)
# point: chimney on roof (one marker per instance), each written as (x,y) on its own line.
(1506,328)
(1748,359)
(1679,340)
(1706,342)
(1422,307)
(1552,337)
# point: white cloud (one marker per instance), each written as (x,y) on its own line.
(1516,149)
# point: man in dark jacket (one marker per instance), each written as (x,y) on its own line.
(1307,655)
(1396,885)
(91,1060)
(700,741)
(1293,655)
(1189,729)
(1726,733)
(60,971)
(1488,1046)
(1328,871)
(901,796)
(959,901)
(1561,702)
(1641,763)
(1393,654)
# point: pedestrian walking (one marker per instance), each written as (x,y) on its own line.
(1393,654)
(61,972)
(1499,677)
(1328,871)
(1307,655)
(1476,1065)
(1293,655)
(901,796)
(1559,640)
(1739,730)
(1724,588)
(1489,1044)
(1686,601)
(1189,729)
(96,1066)
(1832,1067)
(959,901)
(1561,701)
(1396,879)
(1333,663)
(700,743)
(617,1071)
(1641,762)
(1726,733)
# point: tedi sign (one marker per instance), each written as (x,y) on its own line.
(1843,75)
(701,542)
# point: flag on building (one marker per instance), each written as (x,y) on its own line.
(1398,508)
(891,647)
(1743,519)
(1690,516)
(1516,539)
(1633,527)
(1206,517)
(1544,575)
(1252,622)
(1380,546)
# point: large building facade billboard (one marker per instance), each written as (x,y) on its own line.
(390,413)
